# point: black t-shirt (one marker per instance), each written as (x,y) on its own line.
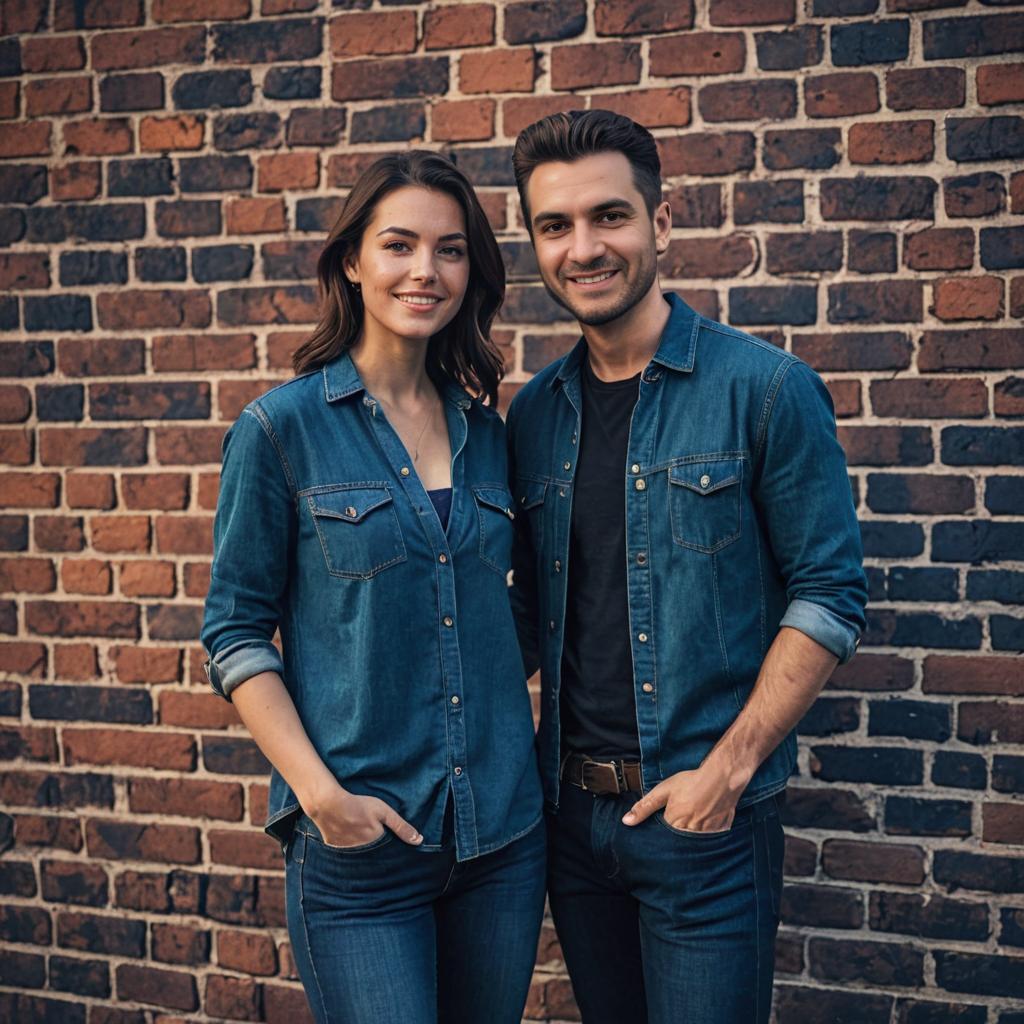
(598,708)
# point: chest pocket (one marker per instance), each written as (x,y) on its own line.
(704,503)
(495,515)
(358,529)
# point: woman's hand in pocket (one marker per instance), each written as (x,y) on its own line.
(346,819)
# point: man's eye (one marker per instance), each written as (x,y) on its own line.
(554,226)
(612,216)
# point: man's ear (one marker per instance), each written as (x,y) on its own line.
(662,227)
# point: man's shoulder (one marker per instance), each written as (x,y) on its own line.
(740,349)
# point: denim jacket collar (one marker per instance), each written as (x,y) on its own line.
(676,349)
(341,379)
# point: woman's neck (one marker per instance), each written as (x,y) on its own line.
(392,368)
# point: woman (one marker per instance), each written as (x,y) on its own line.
(364,512)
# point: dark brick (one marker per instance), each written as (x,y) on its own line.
(396,79)
(396,122)
(12,229)
(934,917)
(925,88)
(68,882)
(878,198)
(317,214)
(150,177)
(696,206)
(921,629)
(974,195)
(17,878)
(21,970)
(876,963)
(843,8)
(316,127)
(866,350)
(485,166)
(25,924)
(233,755)
(85,267)
(298,260)
(166,263)
(1001,585)
(872,252)
(90,703)
(870,42)
(914,719)
(1007,633)
(143,91)
(13,533)
(268,41)
(891,540)
(760,305)
(959,869)
(980,723)
(910,816)
(1004,495)
(800,1005)
(892,301)
(19,1007)
(979,974)
(541,20)
(59,402)
(803,252)
(101,222)
(972,37)
(748,100)
(1002,248)
(919,584)
(959,771)
(984,138)
(183,218)
(882,765)
(983,446)
(10,57)
(829,715)
(215,174)
(780,201)
(83,977)
(815,149)
(205,90)
(58,313)
(23,183)
(821,906)
(910,1011)
(1011,920)
(707,153)
(294,83)
(790,49)
(257,130)
(222,263)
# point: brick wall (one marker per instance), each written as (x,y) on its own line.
(845,180)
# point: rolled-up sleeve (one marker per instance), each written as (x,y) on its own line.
(802,490)
(253,536)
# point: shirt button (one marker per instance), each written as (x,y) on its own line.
(642,637)
(455,699)
(561,492)
(648,687)
(705,480)
(558,565)
(641,485)
(350,512)
(442,558)
(573,439)
(404,471)
(551,625)
(458,771)
(566,465)
(448,620)
(635,468)
(641,558)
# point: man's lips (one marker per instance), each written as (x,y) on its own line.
(592,281)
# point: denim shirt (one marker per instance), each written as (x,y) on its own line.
(739,520)
(399,647)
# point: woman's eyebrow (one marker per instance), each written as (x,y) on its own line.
(406,233)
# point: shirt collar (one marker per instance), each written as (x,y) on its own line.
(676,349)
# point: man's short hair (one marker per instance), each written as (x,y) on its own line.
(569,136)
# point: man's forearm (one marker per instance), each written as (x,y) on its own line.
(792,675)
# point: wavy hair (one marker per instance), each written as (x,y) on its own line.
(462,350)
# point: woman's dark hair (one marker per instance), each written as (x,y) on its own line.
(463,350)
(574,134)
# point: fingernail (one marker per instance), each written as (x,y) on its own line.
(629,818)
(417,838)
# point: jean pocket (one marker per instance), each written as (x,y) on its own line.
(495,515)
(382,840)
(704,501)
(733,829)
(358,528)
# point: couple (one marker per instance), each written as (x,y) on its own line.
(675,507)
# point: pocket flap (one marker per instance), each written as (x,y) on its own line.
(498,498)
(707,477)
(530,493)
(351,503)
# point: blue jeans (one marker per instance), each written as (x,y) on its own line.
(659,925)
(388,932)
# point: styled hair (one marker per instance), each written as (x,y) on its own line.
(574,134)
(461,351)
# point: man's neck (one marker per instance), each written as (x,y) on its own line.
(622,348)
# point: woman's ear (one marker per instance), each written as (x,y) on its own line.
(350,268)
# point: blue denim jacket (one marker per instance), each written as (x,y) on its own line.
(399,646)
(739,520)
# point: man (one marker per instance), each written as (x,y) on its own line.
(687,575)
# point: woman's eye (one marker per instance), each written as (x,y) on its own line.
(452,250)
(396,246)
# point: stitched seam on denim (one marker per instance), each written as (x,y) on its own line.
(692,545)
(769,405)
(350,485)
(256,411)
(721,631)
(348,573)
(305,933)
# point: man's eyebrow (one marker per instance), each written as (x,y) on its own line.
(406,233)
(608,204)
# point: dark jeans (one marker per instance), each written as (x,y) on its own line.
(659,925)
(386,932)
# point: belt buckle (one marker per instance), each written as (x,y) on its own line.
(604,766)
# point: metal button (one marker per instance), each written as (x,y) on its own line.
(648,687)
(558,565)
(635,468)
(458,771)
(561,492)
(641,558)
(448,620)
(641,485)
(404,471)
(350,512)
(551,625)
(442,558)
(642,637)
(573,439)
(705,480)
(566,465)
(455,699)
(510,513)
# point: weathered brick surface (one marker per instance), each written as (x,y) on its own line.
(845,181)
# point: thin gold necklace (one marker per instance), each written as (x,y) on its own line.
(423,429)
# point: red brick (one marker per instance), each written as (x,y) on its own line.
(116,533)
(188,446)
(48,831)
(200,10)
(90,490)
(167,491)
(891,142)
(16,446)
(98,137)
(247,849)
(895,863)
(186,797)
(184,535)
(15,403)
(31,575)
(988,674)
(235,395)
(28,742)
(1017,297)
(177,353)
(180,944)
(67,882)
(1008,397)
(82,618)
(725,257)
(772,99)
(968,298)
(653,108)
(845,397)
(58,96)
(1000,83)
(180,892)
(635,17)
(77,180)
(209,487)
(235,998)
(23,659)
(29,490)
(492,71)
(75,662)
(31,138)
(140,308)
(707,153)
(1002,823)
(196,710)
(284,1004)
(983,349)
(990,722)
(255,215)
(1017,192)
(841,94)
(22,270)
(248,952)
(462,120)
(752,12)
(109,839)
(698,53)
(259,794)
(85,576)
(585,65)
(146,664)
(111,14)
(516,114)
(161,134)
(924,88)
(197,579)
(354,35)
(151,48)
(58,533)
(279,172)
(10,99)
(135,748)
(155,987)
(146,579)
(939,249)
(936,398)
(52,53)
(464,24)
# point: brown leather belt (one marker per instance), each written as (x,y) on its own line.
(602,776)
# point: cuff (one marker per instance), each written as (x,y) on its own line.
(824,627)
(242,661)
